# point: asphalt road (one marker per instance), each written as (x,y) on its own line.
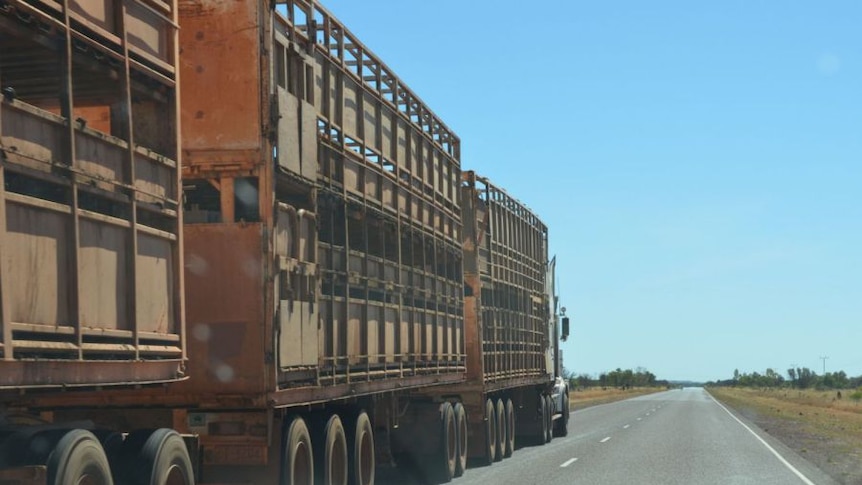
(676,437)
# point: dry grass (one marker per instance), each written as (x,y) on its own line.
(819,410)
(593,396)
(816,424)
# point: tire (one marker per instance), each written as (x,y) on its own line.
(461,429)
(330,452)
(163,459)
(445,460)
(297,454)
(542,428)
(490,433)
(78,458)
(561,426)
(500,417)
(510,429)
(360,450)
(549,428)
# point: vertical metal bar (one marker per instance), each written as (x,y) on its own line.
(179,257)
(346,262)
(67,111)
(132,253)
(5,326)
(226,194)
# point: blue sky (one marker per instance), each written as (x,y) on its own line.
(699,164)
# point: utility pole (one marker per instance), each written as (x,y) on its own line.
(823,358)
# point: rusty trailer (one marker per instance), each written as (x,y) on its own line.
(322,241)
(90,216)
(510,336)
(91,282)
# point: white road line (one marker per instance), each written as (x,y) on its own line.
(626,426)
(568,462)
(608,438)
(796,472)
(639,419)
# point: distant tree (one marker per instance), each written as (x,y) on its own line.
(834,380)
(584,380)
(603,379)
(805,378)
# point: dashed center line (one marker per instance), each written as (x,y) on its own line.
(568,462)
(626,426)
(608,438)
(639,419)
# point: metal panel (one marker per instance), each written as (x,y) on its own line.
(221,77)
(225,307)
(295,238)
(155,285)
(297,135)
(103,299)
(38,260)
(289,134)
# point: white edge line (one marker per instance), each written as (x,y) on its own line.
(568,462)
(608,438)
(777,455)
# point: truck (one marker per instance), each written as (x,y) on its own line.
(237,248)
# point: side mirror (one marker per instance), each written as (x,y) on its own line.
(565,333)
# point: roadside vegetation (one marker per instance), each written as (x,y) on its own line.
(798,378)
(615,385)
(818,416)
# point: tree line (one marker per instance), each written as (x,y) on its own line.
(618,378)
(799,378)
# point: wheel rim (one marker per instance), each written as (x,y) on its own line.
(366,466)
(91,479)
(302,464)
(492,428)
(510,425)
(462,435)
(338,460)
(451,442)
(176,477)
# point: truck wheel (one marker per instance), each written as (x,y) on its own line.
(360,450)
(78,459)
(461,431)
(331,452)
(542,428)
(510,429)
(490,432)
(298,458)
(549,433)
(163,460)
(500,417)
(445,460)
(561,426)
